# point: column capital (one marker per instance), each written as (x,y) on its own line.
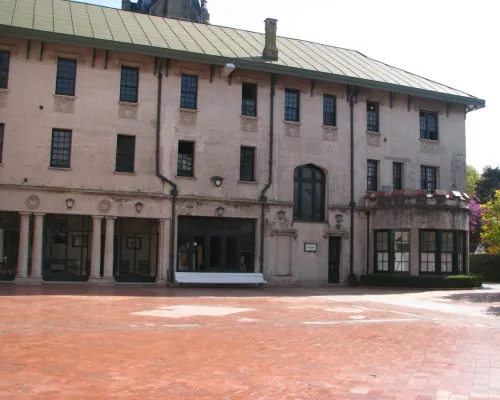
(37,214)
(97,217)
(25,213)
(111,218)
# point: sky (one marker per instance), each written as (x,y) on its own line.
(453,42)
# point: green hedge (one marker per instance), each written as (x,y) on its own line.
(487,265)
(423,281)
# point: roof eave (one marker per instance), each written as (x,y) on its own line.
(240,63)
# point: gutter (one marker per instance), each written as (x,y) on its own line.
(173,192)
(256,64)
(263,197)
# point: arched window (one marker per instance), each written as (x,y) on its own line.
(308,193)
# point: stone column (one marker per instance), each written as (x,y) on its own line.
(163,246)
(95,263)
(36,255)
(109,249)
(22,257)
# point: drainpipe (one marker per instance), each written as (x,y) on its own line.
(263,198)
(173,192)
(368,242)
(353,92)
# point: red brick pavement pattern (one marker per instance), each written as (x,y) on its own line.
(81,343)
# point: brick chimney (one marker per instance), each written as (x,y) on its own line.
(270,49)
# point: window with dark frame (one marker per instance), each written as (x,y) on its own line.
(397,176)
(129,84)
(249,99)
(372,116)
(329,110)
(2,129)
(60,154)
(292,108)
(125,153)
(247,164)
(428,178)
(189,92)
(428,125)
(185,159)
(309,194)
(372,176)
(66,77)
(442,252)
(4,69)
(392,251)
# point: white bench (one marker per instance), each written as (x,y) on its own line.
(219,277)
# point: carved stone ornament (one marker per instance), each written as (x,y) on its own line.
(292,129)
(104,206)
(3,97)
(64,104)
(249,124)
(373,139)
(430,146)
(330,133)
(32,202)
(127,110)
(188,117)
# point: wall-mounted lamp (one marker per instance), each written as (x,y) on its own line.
(339,218)
(227,70)
(217,180)
(139,206)
(219,211)
(281,214)
(70,203)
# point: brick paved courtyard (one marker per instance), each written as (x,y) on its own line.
(126,342)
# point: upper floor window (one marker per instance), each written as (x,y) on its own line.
(372,176)
(428,178)
(392,251)
(329,110)
(292,109)
(442,252)
(185,159)
(66,77)
(309,194)
(249,99)
(60,152)
(2,128)
(247,164)
(129,84)
(189,92)
(125,153)
(428,125)
(397,176)
(4,69)
(372,116)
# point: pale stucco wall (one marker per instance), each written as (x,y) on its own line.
(217,130)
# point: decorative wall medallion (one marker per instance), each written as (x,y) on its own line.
(373,139)
(330,133)
(32,202)
(104,206)
(249,124)
(188,117)
(3,98)
(430,146)
(127,110)
(64,104)
(292,129)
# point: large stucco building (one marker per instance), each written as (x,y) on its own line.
(136,148)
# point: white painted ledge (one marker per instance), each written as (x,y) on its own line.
(219,277)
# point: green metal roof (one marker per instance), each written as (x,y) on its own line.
(113,29)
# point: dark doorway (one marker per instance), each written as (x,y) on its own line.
(9,245)
(215,245)
(334,259)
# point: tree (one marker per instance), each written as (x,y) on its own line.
(473,178)
(475,224)
(488,184)
(491,227)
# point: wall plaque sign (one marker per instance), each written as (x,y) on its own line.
(310,247)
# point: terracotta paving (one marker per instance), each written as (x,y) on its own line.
(132,342)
